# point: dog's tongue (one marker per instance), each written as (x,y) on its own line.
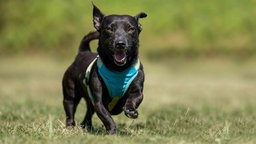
(120,56)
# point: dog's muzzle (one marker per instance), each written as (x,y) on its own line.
(120,53)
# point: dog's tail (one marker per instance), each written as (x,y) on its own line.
(85,43)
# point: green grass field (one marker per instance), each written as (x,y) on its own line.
(186,101)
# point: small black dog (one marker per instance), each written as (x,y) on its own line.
(110,81)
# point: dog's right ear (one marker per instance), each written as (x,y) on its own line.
(97,17)
(138,16)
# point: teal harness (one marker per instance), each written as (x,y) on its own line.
(116,82)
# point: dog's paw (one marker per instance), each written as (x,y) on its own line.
(112,132)
(70,123)
(131,113)
(87,128)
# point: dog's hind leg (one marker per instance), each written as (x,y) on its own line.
(87,122)
(70,109)
(71,99)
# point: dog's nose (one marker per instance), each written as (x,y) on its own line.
(120,45)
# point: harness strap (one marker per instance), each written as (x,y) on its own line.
(87,78)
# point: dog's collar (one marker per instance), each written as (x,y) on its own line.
(117,82)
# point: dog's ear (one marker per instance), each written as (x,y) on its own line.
(97,17)
(138,16)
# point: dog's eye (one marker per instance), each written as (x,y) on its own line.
(109,29)
(131,30)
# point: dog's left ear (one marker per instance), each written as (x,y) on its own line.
(97,17)
(138,16)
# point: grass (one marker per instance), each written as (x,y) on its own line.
(186,101)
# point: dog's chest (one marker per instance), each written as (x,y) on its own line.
(117,83)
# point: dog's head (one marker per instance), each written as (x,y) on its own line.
(119,38)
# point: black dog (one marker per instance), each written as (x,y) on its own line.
(116,65)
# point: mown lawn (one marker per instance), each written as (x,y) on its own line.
(186,101)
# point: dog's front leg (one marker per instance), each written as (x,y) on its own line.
(131,105)
(100,110)
(135,96)
(105,117)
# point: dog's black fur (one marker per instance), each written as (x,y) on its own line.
(118,48)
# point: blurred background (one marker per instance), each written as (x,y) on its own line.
(199,58)
(173,28)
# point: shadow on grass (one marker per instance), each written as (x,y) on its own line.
(122,129)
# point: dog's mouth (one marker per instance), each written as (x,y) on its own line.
(120,57)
